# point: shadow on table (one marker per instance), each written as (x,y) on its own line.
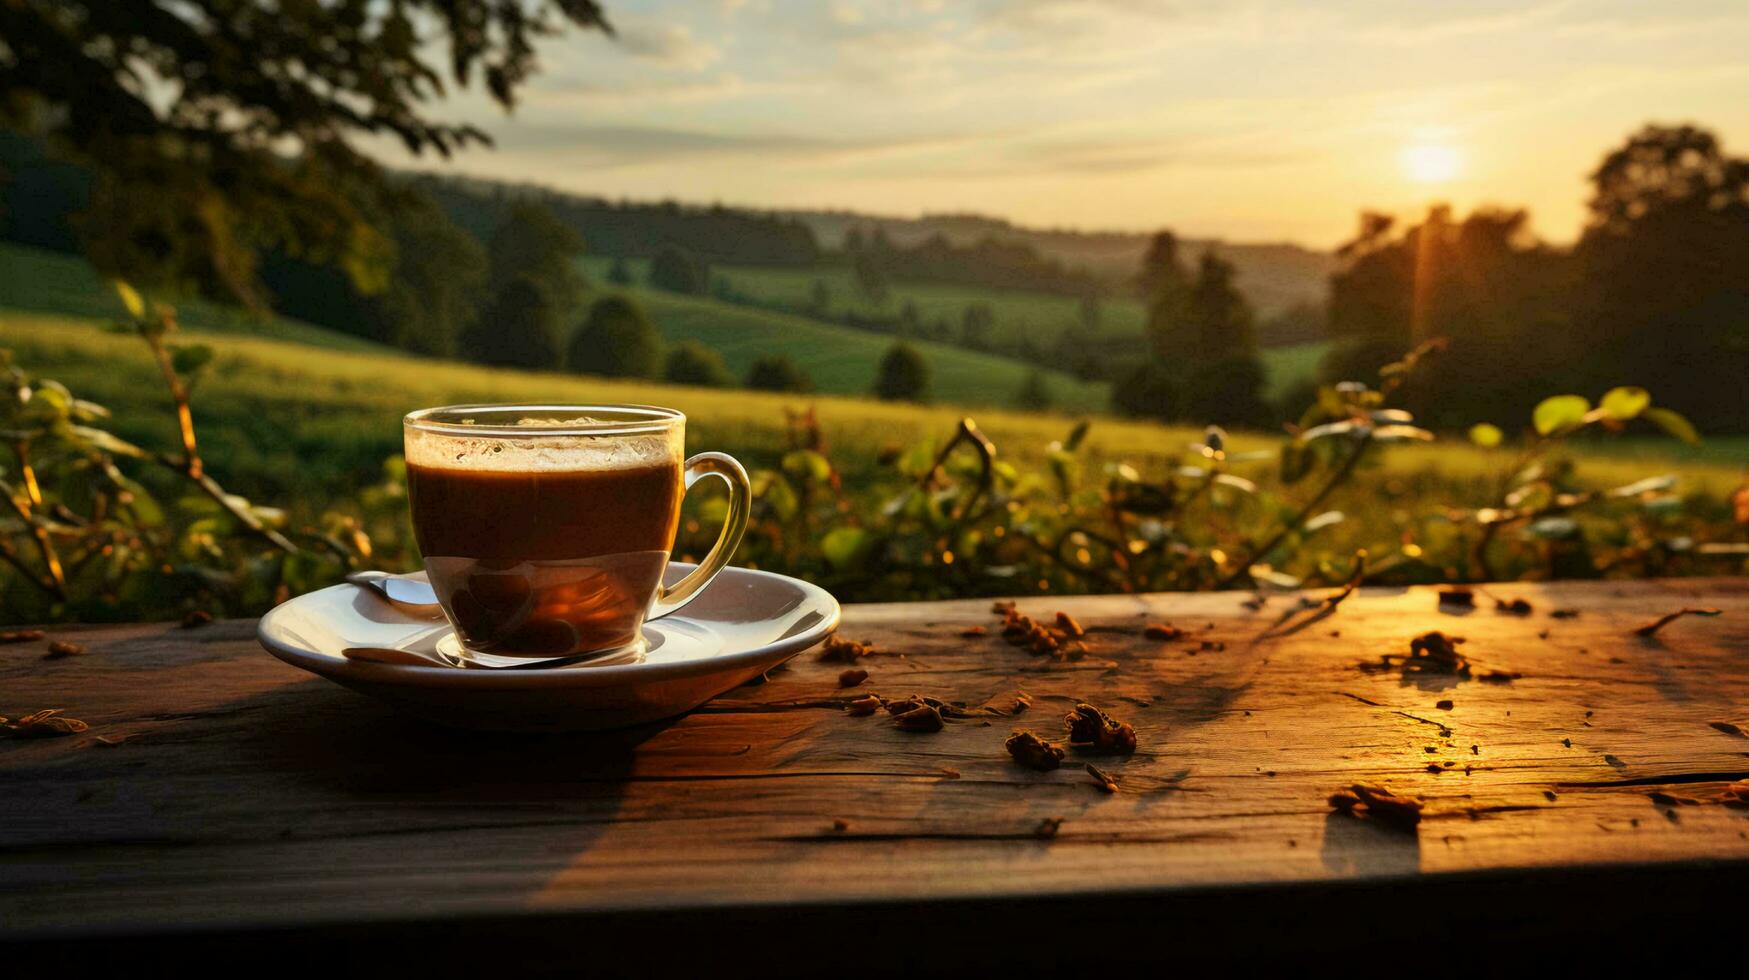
(1357,847)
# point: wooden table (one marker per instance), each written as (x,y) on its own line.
(262,814)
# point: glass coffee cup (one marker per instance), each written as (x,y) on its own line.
(546,529)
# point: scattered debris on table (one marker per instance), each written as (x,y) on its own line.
(1379,803)
(1515,607)
(1162,631)
(1730,729)
(111,741)
(1101,778)
(1067,624)
(47,723)
(1460,597)
(196,617)
(852,677)
(839,650)
(919,718)
(863,707)
(972,631)
(20,636)
(1093,731)
(1021,703)
(840,825)
(1735,794)
(1048,827)
(1565,613)
(1033,752)
(1652,628)
(59,649)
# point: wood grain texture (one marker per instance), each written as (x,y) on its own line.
(251,795)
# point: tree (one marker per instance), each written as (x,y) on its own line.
(620,274)
(1089,313)
(692,363)
(903,375)
(777,372)
(910,323)
(1203,345)
(184,112)
(819,299)
(1663,274)
(1147,390)
(519,328)
(531,243)
(977,327)
(871,278)
(432,294)
(1035,393)
(616,340)
(679,271)
(1162,274)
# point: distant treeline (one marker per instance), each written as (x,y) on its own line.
(715,233)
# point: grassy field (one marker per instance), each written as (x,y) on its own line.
(1018,313)
(288,419)
(839,359)
(843,360)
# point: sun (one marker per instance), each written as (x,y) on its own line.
(1430,163)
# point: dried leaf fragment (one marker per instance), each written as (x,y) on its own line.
(46,723)
(1048,827)
(1462,598)
(1729,728)
(1382,804)
(922,718)
(61,648)
(1162,631)
(840,825)
(1565,613)
(1093,731)
(1033,752)
(1516,607)
(20,636)
(863,707)
(111,741)
(1021,703)
(1436,653)
(972,631)
(1101,778)
(852,677)
(1651,628)
(842,651)
(1067,624)
(1735,794)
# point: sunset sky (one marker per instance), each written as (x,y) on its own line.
(1266,120)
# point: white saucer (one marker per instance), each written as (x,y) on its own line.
(743,624)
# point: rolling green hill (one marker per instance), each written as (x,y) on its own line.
(840,360)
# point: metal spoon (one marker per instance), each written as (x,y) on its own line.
(402,589)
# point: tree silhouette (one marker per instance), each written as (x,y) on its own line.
(531,244)
(777,373)
(1035,393)
(678,271)
(184,111)
(978,327)
(903,375)
(692,363)
(819,299)
(518,328)
(616,341)
(620,273)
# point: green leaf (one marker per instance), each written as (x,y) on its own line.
(1559,412)
(1625,403)
(106,442)
(1322,521)
(807,464)
(1673,424)
(1487,436)
(1554,528)
(1078,433)
(846,548)
(1401,433)
(130,298)
(188,359)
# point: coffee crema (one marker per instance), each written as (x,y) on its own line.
(536,558)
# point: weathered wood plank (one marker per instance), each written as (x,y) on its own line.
(252,794)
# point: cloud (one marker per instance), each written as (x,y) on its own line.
(629,145)
(669,45)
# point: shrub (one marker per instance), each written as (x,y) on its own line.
(616,341)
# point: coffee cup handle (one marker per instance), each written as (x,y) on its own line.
(724,467)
